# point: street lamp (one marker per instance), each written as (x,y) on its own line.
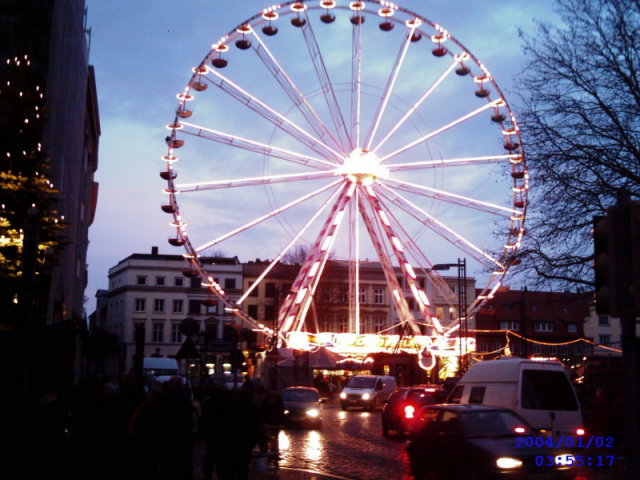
(462,306)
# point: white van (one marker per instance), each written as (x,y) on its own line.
(367,391)
(540,391)
(156,366)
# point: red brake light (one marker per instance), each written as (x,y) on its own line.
(520,429)
(580,431)
(409,411)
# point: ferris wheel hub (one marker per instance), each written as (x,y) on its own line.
(362,166)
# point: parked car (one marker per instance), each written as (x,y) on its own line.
(464,442)
(367,391)
(302,407)
(400,411)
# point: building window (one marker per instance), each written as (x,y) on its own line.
(543,327)
(160,281)
(325,324)
(537,348)
(421,282)
(178,281)
(157,332)
(572,327)
(141,280)
(378,324)
(483,347)
(254,292)
(252,311)
(343,324)
(270,313)
(605,339)
(195,282)
(213,309)
(509,325)
(194,307)
(495,347)
(176,336)
(378,296)
(158,305)
(230,283)
(140,305)
(603,319)
(362,297)
(178,305)
(343,295)
(270,289)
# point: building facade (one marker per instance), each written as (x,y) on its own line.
(530,323)
(156,293)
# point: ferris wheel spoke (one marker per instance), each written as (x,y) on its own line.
(293,92)
(453,162)
(288,247)
(262,218)
(270,114)
(249,182)
(375,234)
(298,299)
(327,86)
(426,137)
(416,105)
(438,227)
(453,198)
(393,76)
(254,146)
(418,256)
(420,297)
(356,80)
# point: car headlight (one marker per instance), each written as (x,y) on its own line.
(343,395)
(313,412)
(564,459)
(508,462)
(366,396)
(286,412)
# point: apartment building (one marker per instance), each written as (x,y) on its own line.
(157,292)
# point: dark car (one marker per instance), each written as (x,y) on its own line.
(302,407)
(465,442)
(400,410)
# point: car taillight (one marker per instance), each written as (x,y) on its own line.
(409,411)
(580,431)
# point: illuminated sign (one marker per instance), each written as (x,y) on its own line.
(363,344)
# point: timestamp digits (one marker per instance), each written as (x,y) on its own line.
(577,460)
(565,441)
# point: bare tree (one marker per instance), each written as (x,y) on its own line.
(581,127)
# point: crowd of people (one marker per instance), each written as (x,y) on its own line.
(124,429)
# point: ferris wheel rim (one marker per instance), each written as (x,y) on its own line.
(517,159)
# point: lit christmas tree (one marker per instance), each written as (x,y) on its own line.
(27,196)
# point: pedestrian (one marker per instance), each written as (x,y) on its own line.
(216,424)
(272,419)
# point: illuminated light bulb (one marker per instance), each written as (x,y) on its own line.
(410,271)
(396,243)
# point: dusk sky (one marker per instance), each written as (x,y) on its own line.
(143,52)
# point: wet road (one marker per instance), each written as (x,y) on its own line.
(350,444)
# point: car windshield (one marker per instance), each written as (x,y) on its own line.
(299,396)
(361,382)
(493,423)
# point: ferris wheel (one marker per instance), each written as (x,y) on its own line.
(360,130)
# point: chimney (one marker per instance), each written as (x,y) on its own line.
(154,251)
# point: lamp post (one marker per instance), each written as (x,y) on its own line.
(462,307)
